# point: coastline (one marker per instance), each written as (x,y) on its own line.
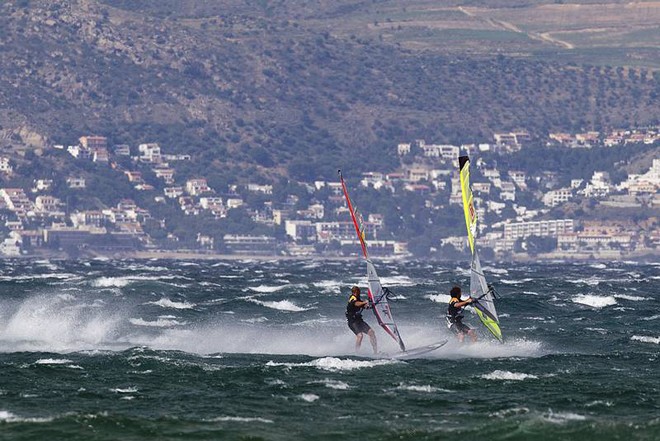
(652,256)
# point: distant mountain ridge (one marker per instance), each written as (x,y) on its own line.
(273,95)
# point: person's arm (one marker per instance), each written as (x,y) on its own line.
(461,304)
(361,304)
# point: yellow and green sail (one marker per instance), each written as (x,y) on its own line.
(484,303)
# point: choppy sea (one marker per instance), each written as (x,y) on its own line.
(175,350)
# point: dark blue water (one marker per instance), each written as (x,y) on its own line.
(260,350)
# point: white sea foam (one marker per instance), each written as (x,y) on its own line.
(631,298)
(594,300)
(120,282)
(334,364)
(335,384)
(491,269)
(328,285)
(397,281)
(160,323)
(427,388)
(237,419)
(438,298)
(646,339)
(310,398)
(282,305)
(508,376)
(26,277)
(515,281)
(255,320)
(563,417)
(52,361)
(167,303)
(126,390)
(599,330)
(268,289)
(510,412)
(653,317)
(8,417)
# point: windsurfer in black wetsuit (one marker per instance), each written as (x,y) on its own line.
(455,315)
(355,321)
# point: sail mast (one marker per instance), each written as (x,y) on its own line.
(377,295)
(481,293)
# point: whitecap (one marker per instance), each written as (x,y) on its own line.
(646,339)
(255,320)
(508,376)
(8,417)
(653,317)
(563,417)
(438,298)
(490,269)
(242,419)
(599,330)
(515,281)
(335,384)
(52,361)
(167,303)
(631,298)
(594,300)
(334,364)
(126,390)
(160,323)
(509,412)
(397,281)
(282,305)
(328,285)
(267,289)
(310,398)
(427,388)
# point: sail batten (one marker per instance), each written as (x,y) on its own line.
(481,293)
(376,292)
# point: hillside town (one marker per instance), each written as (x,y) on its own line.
(518,211)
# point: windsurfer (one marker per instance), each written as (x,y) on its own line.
(356,323)
(455,315)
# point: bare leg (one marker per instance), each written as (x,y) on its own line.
(372,338)
(460,336)
(358,341)
(473,335)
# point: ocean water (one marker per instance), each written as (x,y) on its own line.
(175,350)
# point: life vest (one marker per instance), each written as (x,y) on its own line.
(353,312)
(453,313)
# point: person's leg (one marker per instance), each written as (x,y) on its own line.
(372,338)
(473,335)
(460,336)
(358,341)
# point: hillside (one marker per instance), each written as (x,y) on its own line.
(254,90)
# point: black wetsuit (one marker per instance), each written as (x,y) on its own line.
(455,317)
(354,317)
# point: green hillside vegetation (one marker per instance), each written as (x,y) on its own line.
(257,90)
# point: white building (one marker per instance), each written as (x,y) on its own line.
(76,182)
(5,166)
(557,197)
(549,228)
(256,188)
(195,187)
(150,152)
(599,185)
(300,230)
